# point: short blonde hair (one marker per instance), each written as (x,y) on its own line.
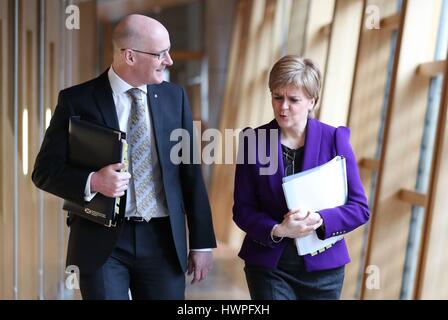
(297,71)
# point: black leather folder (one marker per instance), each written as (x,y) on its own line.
(92,147)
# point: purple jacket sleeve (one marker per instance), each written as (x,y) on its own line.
(247,213)
(355,212)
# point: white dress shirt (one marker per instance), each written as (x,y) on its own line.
(123,103)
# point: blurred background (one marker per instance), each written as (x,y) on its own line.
(385,77)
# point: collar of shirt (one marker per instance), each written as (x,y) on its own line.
(118,85)
(122,99)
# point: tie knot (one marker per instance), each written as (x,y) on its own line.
(135,94)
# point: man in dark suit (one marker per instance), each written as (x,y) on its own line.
(147,253)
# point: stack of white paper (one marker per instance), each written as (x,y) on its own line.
(316,189)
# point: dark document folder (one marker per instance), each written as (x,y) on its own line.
(92,147)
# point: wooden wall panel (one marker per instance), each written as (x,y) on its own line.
(258,33)
(219,23)
(277,45)
(28,210)
(402,138)
(41,234)
(83,43)
(5,153)
(1,147)
(432,275)
(320,17)
(222,179)
(368,95)
(297,26)
(107,28)
(87,58)
(54,237)
(255,76)
(338,76)
(257,30)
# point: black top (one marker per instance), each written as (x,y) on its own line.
(292,160)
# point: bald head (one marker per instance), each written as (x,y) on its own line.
(134,30)
(141,50)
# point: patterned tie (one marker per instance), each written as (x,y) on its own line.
(139,140)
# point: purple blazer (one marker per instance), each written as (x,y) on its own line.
(259,202)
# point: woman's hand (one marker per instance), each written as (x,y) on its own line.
(298,223)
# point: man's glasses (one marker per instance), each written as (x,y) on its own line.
(161,55)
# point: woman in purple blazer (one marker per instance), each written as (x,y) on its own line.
(295,142)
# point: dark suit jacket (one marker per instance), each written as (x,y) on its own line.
(259,202)
(90,244)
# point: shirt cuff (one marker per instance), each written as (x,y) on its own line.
(205,249)
(88,196)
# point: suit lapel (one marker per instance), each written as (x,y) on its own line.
(105,101)
(156,115)
(312,145)
(275,180)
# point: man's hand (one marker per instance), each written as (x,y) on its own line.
(109,181)
(199,262)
